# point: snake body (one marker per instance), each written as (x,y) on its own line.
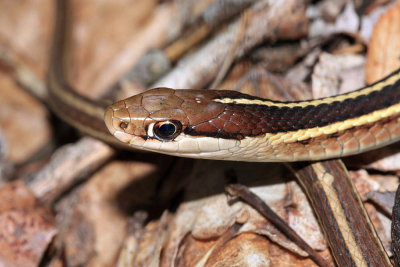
(229,125)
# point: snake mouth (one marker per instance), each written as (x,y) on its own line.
(108,119)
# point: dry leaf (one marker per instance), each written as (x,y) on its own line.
(337,74)
(26,31)
(95,225)
(384,49)
(26,229)
(199,225)
(23,121)
(105,33)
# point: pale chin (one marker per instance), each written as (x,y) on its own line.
(188,146)
(122,136)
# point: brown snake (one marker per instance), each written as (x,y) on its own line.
(229,125)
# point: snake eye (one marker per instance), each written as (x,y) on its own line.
(123,125)
(167,130)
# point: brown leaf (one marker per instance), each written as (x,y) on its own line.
(16,196)
(244,250)
(24,236)
(106,34)
(25,228)
(259,82)
(199,225)
(96,215)
(384,200)
(26,30)
(196,69)
(23,121)
(387,164)
(384,50)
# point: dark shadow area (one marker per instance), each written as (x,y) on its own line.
(358,161)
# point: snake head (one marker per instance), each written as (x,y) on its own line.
(167,121)
(153,114)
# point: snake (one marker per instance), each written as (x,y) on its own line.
(229,125)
